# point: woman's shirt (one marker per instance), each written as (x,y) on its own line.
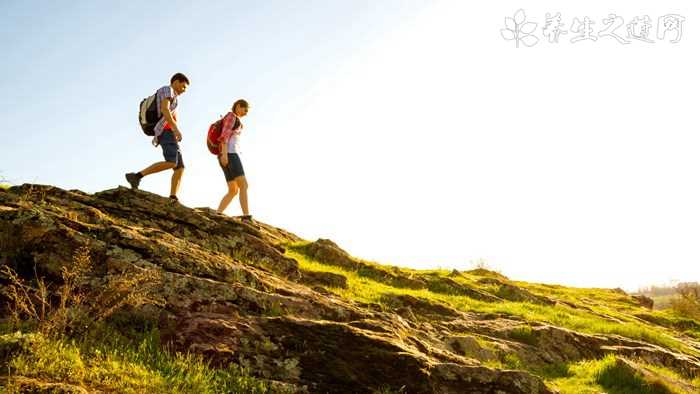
(231,132)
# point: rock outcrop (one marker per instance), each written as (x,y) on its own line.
(231,294)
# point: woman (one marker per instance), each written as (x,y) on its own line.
(230,160)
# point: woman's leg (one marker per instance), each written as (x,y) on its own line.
(232,190)
(242,184)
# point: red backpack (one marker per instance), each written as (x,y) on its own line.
(214,134)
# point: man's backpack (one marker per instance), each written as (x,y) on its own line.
(148,115)
(214,134)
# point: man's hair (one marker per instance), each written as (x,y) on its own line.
(180,77)
(241,103)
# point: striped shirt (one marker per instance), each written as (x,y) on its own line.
(161,94)
(231,132)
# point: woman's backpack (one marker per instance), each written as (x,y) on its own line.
(214,134)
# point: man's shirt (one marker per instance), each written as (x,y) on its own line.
(162,94)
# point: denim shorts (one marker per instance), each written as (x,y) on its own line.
(234,168)
(171,149)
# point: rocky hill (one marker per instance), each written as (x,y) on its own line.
(308,317)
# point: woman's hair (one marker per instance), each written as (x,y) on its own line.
(240,102)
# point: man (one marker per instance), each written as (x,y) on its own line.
(167,134)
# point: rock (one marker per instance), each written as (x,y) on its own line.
(36,386)
(453,378)
(679,324)
(414,306)
(327,279)
(487,273)
(644,301)
(467,345)
(328,252)
(651,379)
(489,281)
(230,294)
(517,294)
(452,287)
(686,366)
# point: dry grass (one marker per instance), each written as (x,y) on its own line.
(687,301)
(70,307)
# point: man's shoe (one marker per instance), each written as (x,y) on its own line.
(133,180)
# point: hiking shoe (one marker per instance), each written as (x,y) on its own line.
(133,180)
(247,218)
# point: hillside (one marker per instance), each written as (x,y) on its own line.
(209,303)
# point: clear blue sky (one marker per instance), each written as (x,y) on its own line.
(410,132)
(74,72)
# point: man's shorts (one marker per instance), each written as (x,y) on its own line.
(234,168)
(171,149)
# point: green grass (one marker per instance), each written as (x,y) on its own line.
(5,186)
(108,361)
(121,358)
(585,377)
(604,375)
(524,334)
(364,289)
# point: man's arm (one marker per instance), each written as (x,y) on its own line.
(165,110)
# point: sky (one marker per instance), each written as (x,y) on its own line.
(409,132)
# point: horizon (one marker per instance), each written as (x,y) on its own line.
(408,132)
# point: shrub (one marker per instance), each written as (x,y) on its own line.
(687,301)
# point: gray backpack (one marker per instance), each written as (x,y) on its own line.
(148,115)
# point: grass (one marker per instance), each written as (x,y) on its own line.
(604,311)
(606,375)
(5,186)
(663,302)
(602,376)
(106,360)
(524,334)
(127,356)
(364,289)
(82,338)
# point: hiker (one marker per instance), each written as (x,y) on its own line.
(229,158)
(166,134)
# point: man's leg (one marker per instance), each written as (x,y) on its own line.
(158,167)
(134,178)
(242,184)
(175,181)
(232,190)
(177,175)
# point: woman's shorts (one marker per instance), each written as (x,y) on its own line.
(234,168)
